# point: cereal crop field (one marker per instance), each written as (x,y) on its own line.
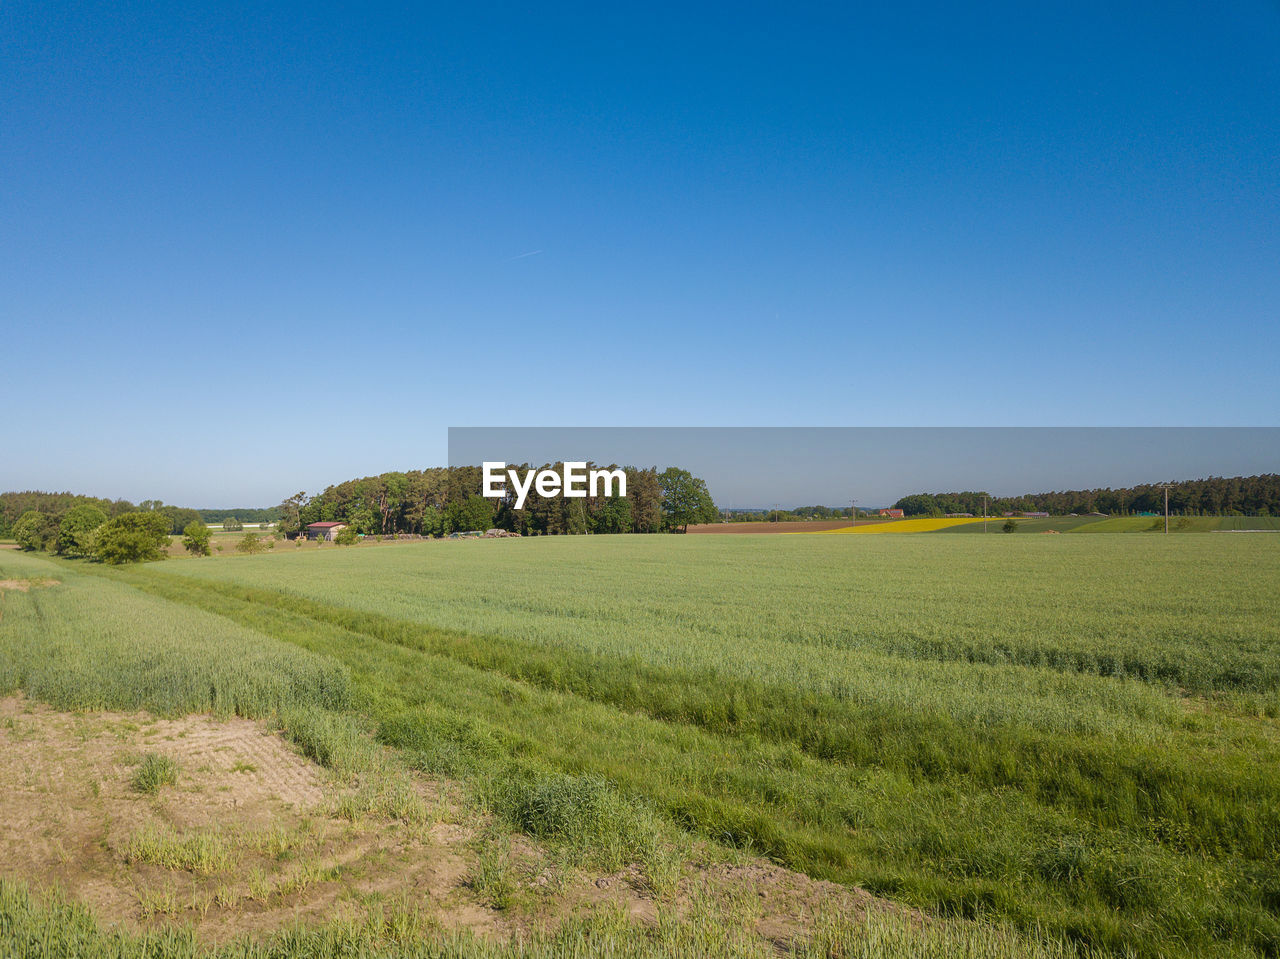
(1070,741)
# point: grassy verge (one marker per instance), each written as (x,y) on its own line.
(52,928)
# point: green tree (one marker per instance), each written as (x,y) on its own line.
(250,544)
(1010,525)
(645,493)
(361,519)
(35,530)
(614,516)
(347,537)
(232,525)
(132,538)
(75,532)
(432,523)
(685,500)
(473,513)
(180,517)
(291,514)
(196,538)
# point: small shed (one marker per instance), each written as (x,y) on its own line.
(324,530)
(891,513)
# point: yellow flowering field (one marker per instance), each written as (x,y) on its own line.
(925,525)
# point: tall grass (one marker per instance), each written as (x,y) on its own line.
(55,929)
(154,771)
(92,643)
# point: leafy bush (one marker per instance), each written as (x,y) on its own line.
(76,531)
(347,537)
(196,538)
(35,530)
(250,544)
(132,538)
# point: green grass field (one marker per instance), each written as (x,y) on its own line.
(1126,524)
(1039,524)
(1179,524)
(1075,735)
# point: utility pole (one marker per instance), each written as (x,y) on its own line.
(854,516)
(984,512)
(1166,487)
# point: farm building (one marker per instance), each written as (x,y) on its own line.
(324,530)
(893,513)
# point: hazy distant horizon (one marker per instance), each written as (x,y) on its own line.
(763,467)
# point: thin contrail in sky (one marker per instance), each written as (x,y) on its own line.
(523,255)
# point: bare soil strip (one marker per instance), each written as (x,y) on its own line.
(248,840)
(23,585)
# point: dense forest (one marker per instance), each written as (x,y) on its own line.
(246,514)
(56,505)
(1215,496)
(434,502)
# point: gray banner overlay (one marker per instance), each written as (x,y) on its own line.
(747,467)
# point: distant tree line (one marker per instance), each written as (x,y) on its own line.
(443,500)
(1214,496)
(799,514)
(13,505)
(435,502)
(243,515)
(56,505)
(108,531)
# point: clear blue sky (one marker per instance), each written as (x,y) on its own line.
(250,249)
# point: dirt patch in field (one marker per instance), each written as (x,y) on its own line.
(246,840)
(23,585)
(250,839)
